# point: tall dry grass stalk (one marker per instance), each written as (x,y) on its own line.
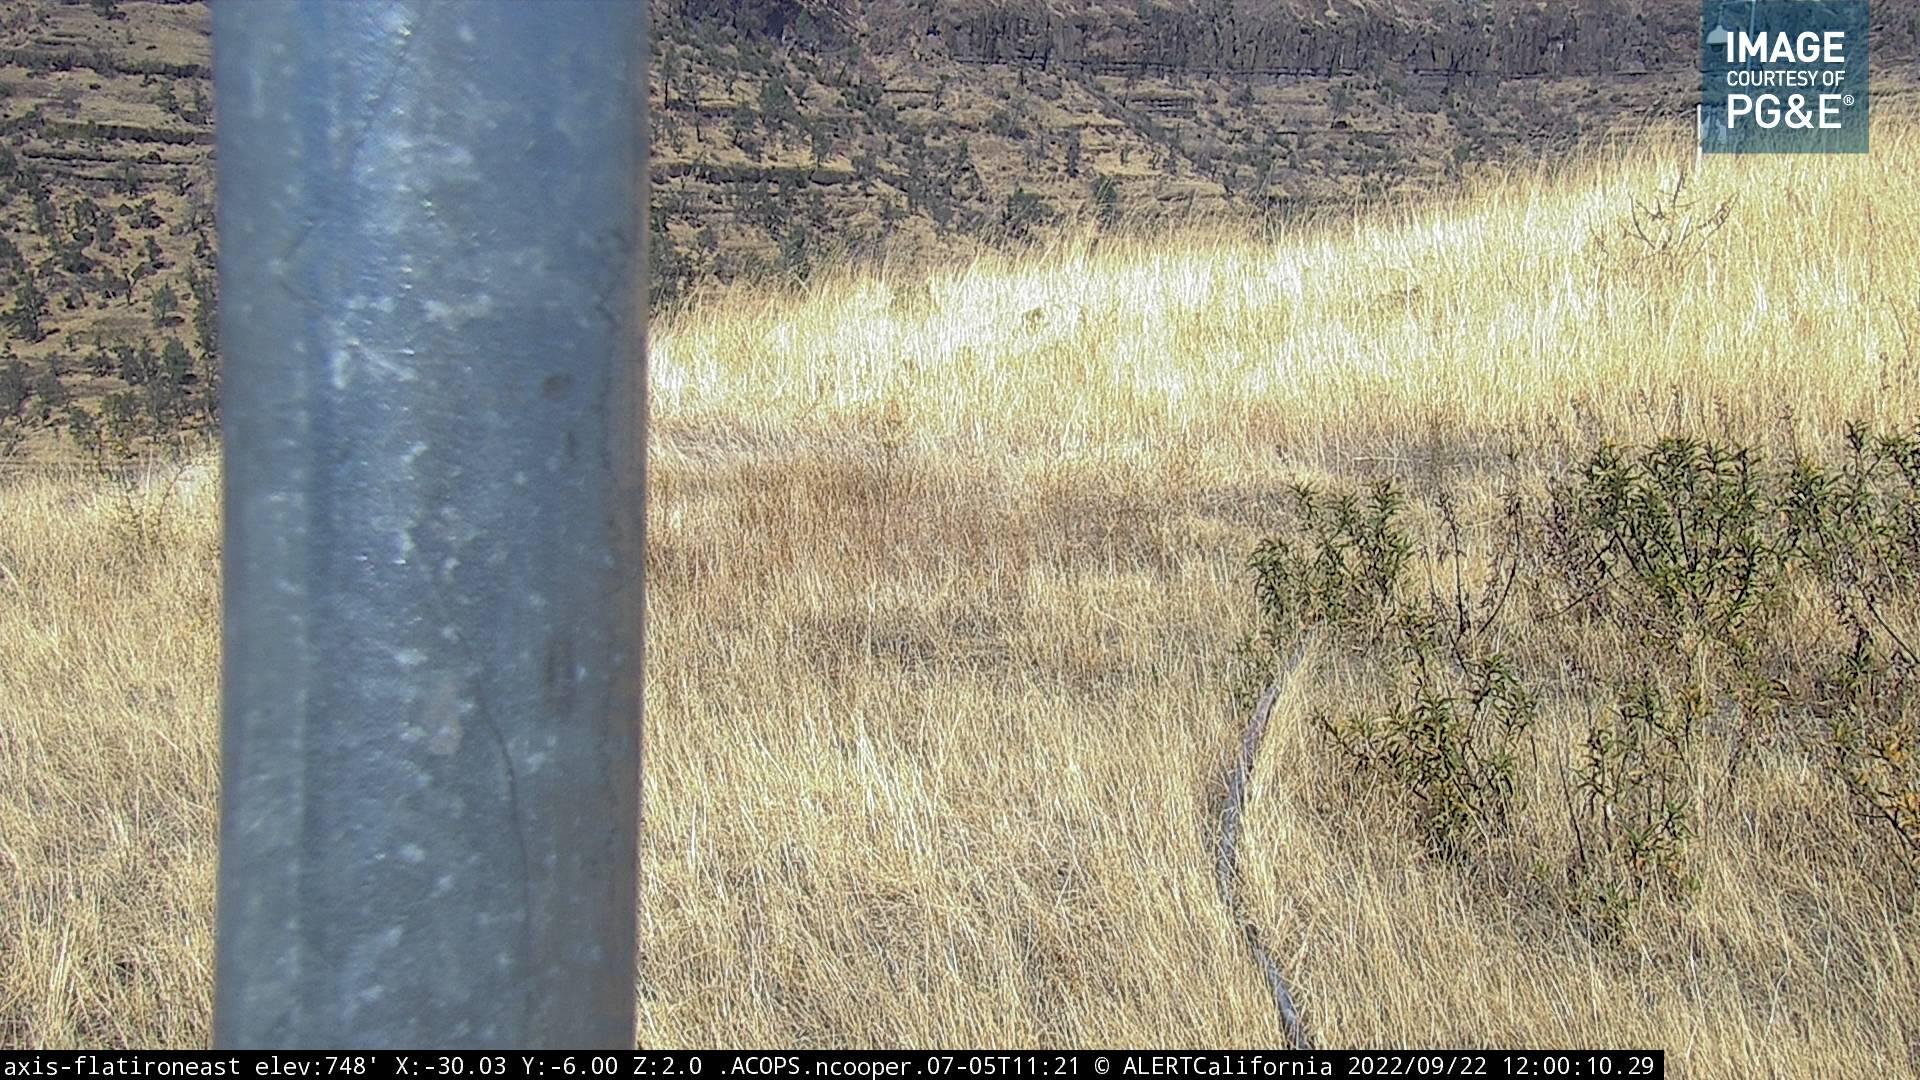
(944,580)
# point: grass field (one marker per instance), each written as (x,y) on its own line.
(945,582)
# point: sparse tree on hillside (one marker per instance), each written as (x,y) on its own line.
(106,9)
(206,325)
(1024,212)
(46,220)
(13,388)
(866,168)
(796,249)
(1106,199)
(50,394)
(670,271)
(822,143)
(777,106)
(84,428)
(84,214)
(202,109)
(165,303)
(1006,124)
(120,417)
(745,127)
(138,364)
(70,253)
(176,364)
(209,389)
(665,68)
(29,308)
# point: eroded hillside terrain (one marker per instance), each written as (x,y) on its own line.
(793,133)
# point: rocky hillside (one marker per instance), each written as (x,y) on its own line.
(787,129)
(106,223)
(792,132)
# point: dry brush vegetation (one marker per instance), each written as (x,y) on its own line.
(952,629)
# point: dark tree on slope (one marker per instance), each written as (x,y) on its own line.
(29,308)
(13,388)
(50,394)
(1026,211)
(165,303)
(1106,199)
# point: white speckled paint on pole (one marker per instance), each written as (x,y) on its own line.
(431,275)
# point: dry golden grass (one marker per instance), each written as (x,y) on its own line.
(109,625)
(944,577)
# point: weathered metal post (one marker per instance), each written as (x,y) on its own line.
(431,269)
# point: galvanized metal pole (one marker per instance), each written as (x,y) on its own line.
(431,228)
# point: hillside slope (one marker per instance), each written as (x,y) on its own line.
(789,134)
(107,245)
(785,127)
(949,614)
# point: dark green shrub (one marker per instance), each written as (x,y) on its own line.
(1634,812)
(1679,529)
(1449,748)
(1338,562)
(1682,604)
(1025,212)
(50,394)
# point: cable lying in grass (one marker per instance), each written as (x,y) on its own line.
(1227,860)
